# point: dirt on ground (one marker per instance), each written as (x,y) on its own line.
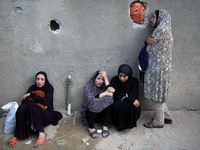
(182,134)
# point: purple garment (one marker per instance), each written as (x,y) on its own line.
(90,102)
(29,114)
(143,59)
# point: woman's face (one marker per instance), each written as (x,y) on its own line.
(40,80)
(99,81)
(122,77)
(153,20)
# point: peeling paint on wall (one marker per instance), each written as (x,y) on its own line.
(37,48)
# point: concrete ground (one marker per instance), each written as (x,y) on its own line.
(182,134)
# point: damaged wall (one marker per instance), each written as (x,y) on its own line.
(76,38)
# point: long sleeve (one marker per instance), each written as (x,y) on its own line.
(96,104)
(130,88)
(37,98)
(47,100)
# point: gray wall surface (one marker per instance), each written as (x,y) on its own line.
(93,35)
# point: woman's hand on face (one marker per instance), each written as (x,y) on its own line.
(136,103)
(150,41)
(103,74)
(25,96)
(111,89)
(105,77)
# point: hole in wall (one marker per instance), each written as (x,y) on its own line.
(55,26)
(18,10)
(138,12)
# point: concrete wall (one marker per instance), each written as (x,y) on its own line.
(93,35)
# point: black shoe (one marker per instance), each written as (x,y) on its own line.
(168,121)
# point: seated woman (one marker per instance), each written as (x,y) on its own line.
(96,107)
(126,107)
(36,111)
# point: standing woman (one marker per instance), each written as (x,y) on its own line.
(96,107)
(157,76)
(126,107)
(36,111)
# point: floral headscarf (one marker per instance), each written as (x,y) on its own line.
(90,101)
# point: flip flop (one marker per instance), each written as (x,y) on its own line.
(40,141)
(105,131)
(12,142)
(93,133)
(151,125)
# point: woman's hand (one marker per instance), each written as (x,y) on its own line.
(105,77)
(136,103)
(106,93)
(103,73)
(25,96)
(150,41)
(111,89)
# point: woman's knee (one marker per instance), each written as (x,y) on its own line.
(22,109)
(32,107)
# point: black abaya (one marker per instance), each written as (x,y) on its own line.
(125,114)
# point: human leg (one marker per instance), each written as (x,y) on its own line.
(158,121)
(158,113)
(91,116)
(106,121)
(168,118)
(38,119)
(22,129)
(40,140)
(36,116)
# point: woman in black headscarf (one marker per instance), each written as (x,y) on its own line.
(126,107)
(36,111)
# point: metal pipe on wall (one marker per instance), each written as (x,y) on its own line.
(69,82)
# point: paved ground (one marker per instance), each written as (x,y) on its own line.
(183,134)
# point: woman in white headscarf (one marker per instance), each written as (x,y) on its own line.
(157,75)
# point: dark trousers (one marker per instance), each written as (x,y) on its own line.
(101,117)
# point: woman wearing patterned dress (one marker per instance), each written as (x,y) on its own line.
(96,107)
(157,76)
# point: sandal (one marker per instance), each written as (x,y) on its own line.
(40,142)
(167,121)
(105,131)
(151,125)
(12,142)
(93,133)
